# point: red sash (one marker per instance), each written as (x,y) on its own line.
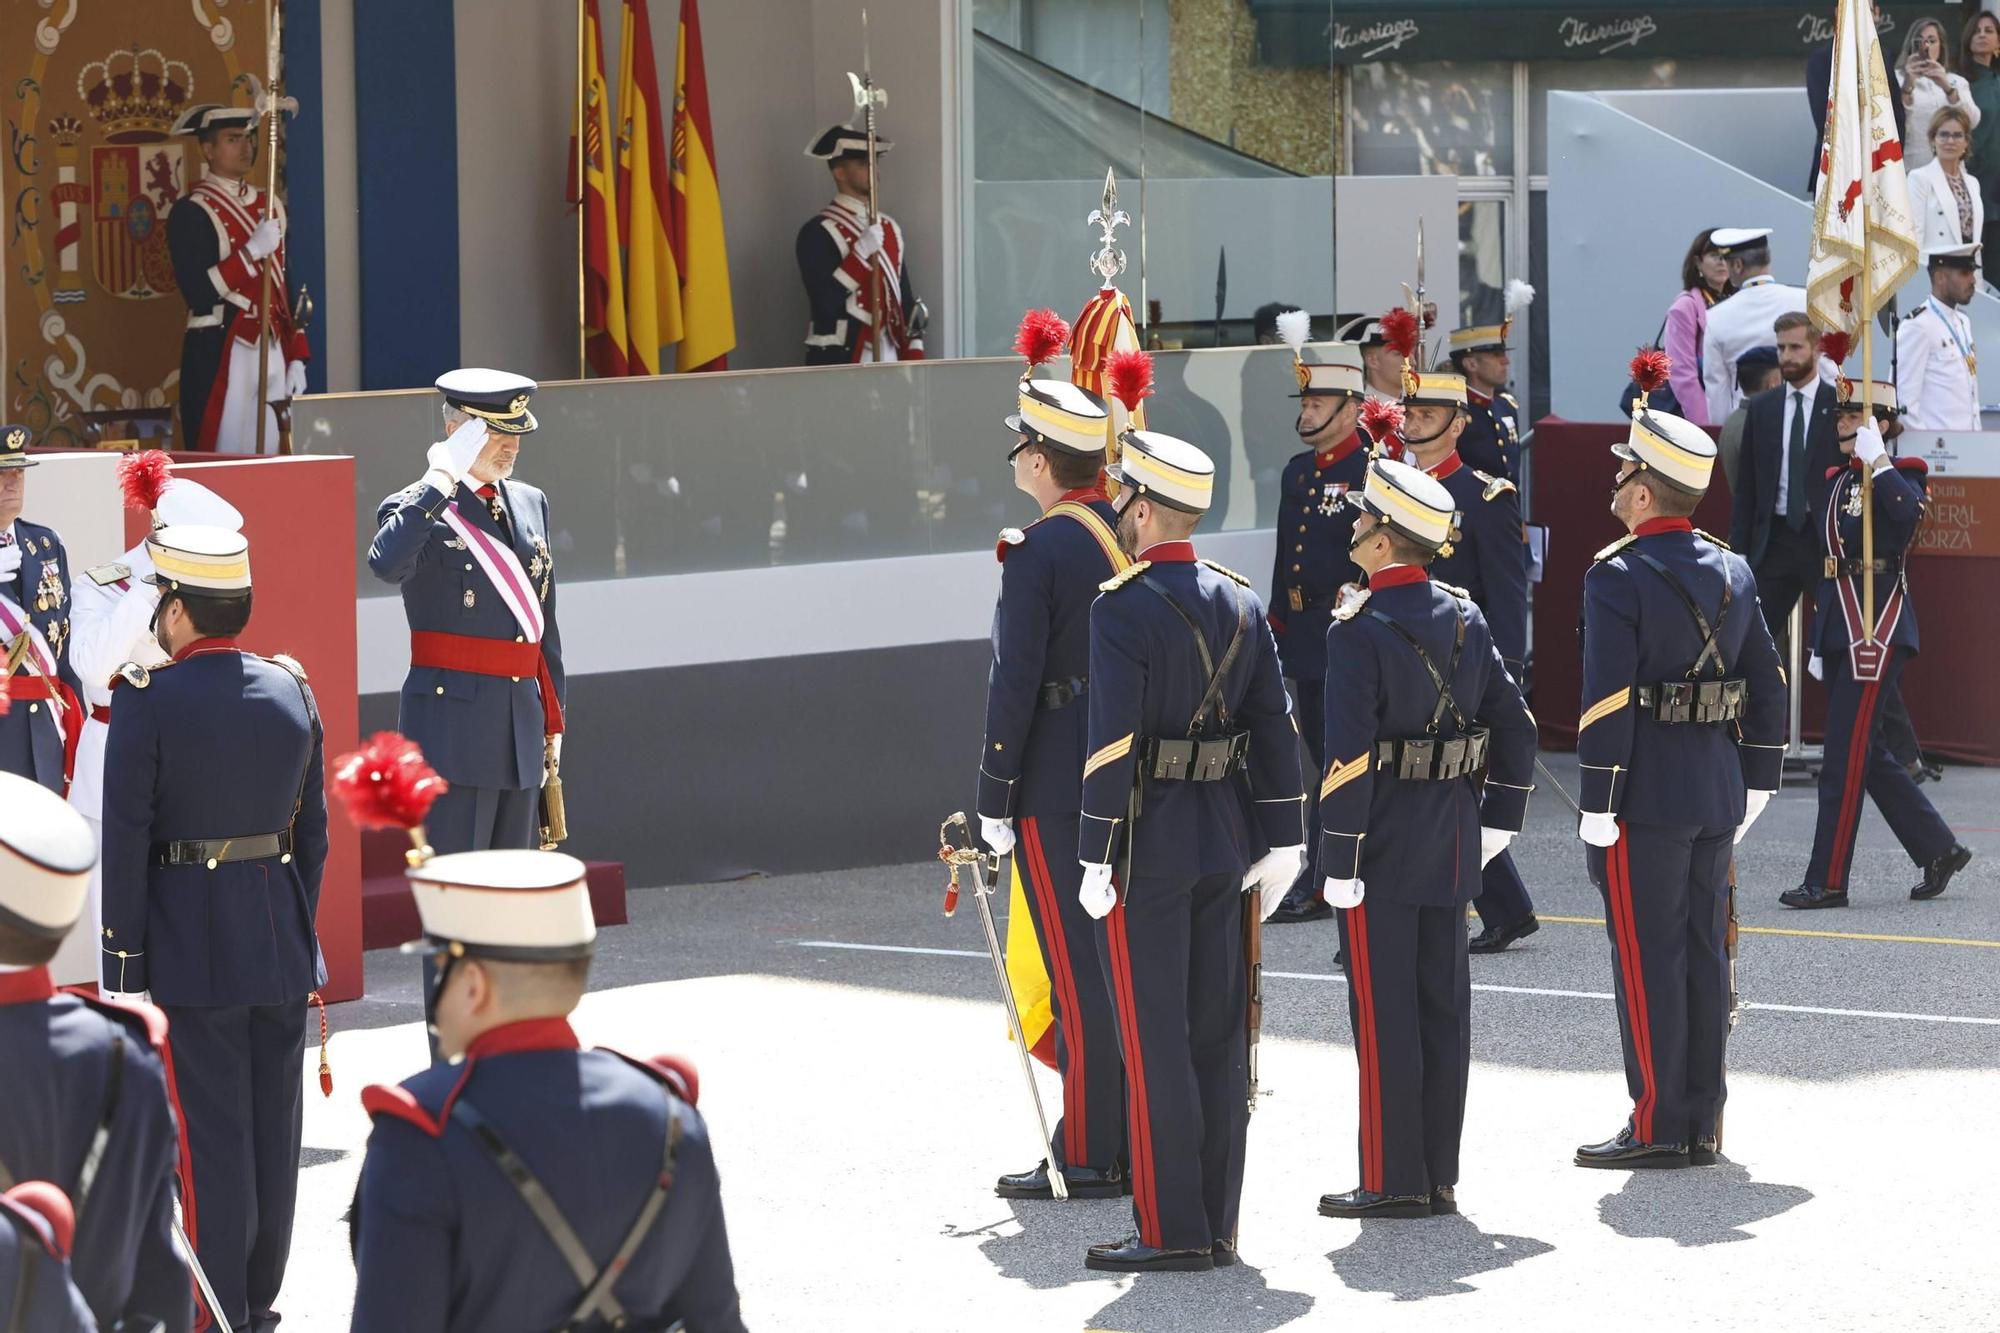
(490,657)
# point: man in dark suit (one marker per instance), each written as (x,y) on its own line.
(1819,78)
(1788,440)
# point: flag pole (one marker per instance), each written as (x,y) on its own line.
(1868,396)
(582,254)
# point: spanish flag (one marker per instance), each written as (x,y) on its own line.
(603,264)
(653,285)
(1026,974)
(708,316)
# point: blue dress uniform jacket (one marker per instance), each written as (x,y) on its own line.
(1033,754)
(1488,558)
(31,740)
(475,730)
(443,1241)
(1492,438)
(1314,529)
(1900,494)
(60,1052)
(35,1285)
(220,744)
(1416,842)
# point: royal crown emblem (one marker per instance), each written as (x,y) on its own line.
(17,438)
(519,405)
(134,95)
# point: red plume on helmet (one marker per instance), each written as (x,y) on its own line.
(1650,368)
(387,783)
(1041,337)
(143,477)
(1835,346)
(1130,374)
(1399,331)
(1382,419)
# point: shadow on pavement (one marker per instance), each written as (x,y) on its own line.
(1708,1206)
(1235,1299)
(1416,1260)
(1045,1248)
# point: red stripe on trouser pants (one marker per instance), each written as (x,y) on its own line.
(1367,1049)
(1145,1184)
(1076,1150)
(1618,877)
(1854,780)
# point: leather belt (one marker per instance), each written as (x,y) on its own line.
(1191,760)
(1705,701)
(512,659)
(1435,760)
(1062,693)
(213,852)
(1834,568)
(1300,600)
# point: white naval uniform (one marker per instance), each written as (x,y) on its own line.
(1735,326)
(109,627)
(1935,383)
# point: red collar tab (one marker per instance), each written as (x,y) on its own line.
(1328,457)
(29,987)
(1654,526)
(1169,553)
(1452,463)
(201,646)
(1084,495)
(1397,575)
(1483,399)
(530,1034)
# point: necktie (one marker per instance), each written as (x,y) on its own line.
(1796,504)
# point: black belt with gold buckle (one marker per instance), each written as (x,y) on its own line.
(1847,569)
(212,852)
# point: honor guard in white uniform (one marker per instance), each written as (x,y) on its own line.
(1745,320)
(1937,361)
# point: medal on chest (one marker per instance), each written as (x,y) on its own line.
(49,591)
(1852,508)
(542,568)
(1329,502)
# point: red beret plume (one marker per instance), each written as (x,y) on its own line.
(1835,346)
(386,783)
(1041,336)
(1382,419)
(143,476)
(1399,331)
(1649,368)
(1131,376)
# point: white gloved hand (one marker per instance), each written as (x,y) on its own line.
(555,745)
(1492,842)
(1273,875)
(264,240)
(1097,895)
(129,996)
(1753,805)
(295,379)
(1816,667)
(1868,446)
(1344,892)
(997,834)
(454,456)
(10,561)
(1598,830)
(869,243)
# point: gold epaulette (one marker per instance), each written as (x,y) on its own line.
(289,663)
(1712,539)
(1615,547)
(1226,573)
(107,574)
(1125,576)
(1351,608)
(138,677)
(1459,593)
(1495,486)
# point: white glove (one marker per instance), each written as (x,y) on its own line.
(1868,446)
(1816,667)
(295,379)
(1753,805)
(455,456)
(1097,895)
(869,243)
(10,561)
(555,744)
(1492,842)
(997,834)
(1344,892)
(129,996)
(1273,876)
(1598,830)
(263,242)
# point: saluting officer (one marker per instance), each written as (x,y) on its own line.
(214,845)
(38,735)
(37,1225)
(1492,439)
(533,1184)
(1185,698)
(1680,741)
(1417,704)
(1030,762)
(79,1067)
(1861,673)
(1487,558)
(1313,568)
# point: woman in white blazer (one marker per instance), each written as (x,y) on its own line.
(1928,87)
(1944,195)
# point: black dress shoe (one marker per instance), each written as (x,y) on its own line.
(1491,940)
(1939,872)
(1083,1182)
(1624,1152)
(1367,1203)
(1312,909)
(1809,896)
(1704,1151)
(1223,1253)
(1129,1256)
(1444,1201)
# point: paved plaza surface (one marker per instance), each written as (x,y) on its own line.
(862,1097)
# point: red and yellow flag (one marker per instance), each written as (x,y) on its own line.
(708,316)
(653,286)
(603,265)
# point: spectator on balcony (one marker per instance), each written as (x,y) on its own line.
(1929,86)
(1979,45)
(1704,281)
(1944,198)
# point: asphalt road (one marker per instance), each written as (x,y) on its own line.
(862,1096)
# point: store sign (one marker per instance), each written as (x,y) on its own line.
(1962,517)
(1600,37)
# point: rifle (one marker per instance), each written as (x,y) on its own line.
(867,97)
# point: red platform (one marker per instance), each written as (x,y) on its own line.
(1572,467)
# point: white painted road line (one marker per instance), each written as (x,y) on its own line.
(1818,1010)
